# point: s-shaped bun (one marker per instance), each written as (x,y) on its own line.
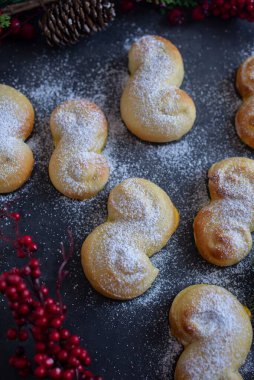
(215,330)
(16,124)
(153,107)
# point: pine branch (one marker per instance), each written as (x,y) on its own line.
(25,6)
(4,21)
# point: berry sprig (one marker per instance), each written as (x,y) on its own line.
(58,354)
(180,11)
(13,26)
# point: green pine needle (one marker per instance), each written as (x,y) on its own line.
(4,21)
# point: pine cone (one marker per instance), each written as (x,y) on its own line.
(65,22)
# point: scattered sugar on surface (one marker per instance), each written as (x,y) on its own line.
(180,168)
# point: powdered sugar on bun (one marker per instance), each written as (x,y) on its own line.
(115,256)
(152,106)
(16,124)
(223,229)
(215,330)
(244,120)
(77,168)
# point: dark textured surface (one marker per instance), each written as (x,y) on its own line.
(130,340)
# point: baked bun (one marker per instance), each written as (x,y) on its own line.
(222,230)
(77,168)
(245,78)
(16,124)
(245,116)
(215,330)
(115,256)
(152,106)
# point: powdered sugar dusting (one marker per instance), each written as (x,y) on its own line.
(79,129)
(97,70)
(151,91)
(137,226)
(219,329)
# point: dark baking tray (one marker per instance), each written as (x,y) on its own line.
(130,340)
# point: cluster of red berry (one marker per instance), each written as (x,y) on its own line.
(58,353)
(16,28)
(243,9)
(224,9)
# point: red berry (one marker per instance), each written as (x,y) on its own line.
(15,26)
(54,348)
(49,362)
(88,375)
(49,301)
(18,362)
(32,247)
(41,347)
(11,293)
(126,5)
(74,339)
(83,355)
(62,355)
(53,309)
(55,373)
(20,321)
(26,271)
(41,322)
(39,358)
(76,351)
(14,279)
(14,305)
(39,312)
(25,240)
(54,336)
(176,16)
(23,309)
(44,290)
(40,372)
(73,362)
(28,31)
(34,263)
(25,294)
(23,335)
(36,273)
(198,14)
(21,254)
(56,323)
(67,375)
(21,286)
(2,286)
(88,360)
(64,334)
(11,334)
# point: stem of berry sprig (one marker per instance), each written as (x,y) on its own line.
(57,353)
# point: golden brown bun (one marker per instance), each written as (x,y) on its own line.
(77,168)
(245,78)
(16,124)
(222,230)
(215,330)
(244,122)
(152,106)
(115,256)
(245,116)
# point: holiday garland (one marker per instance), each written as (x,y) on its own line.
(64,22)
(39,317)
